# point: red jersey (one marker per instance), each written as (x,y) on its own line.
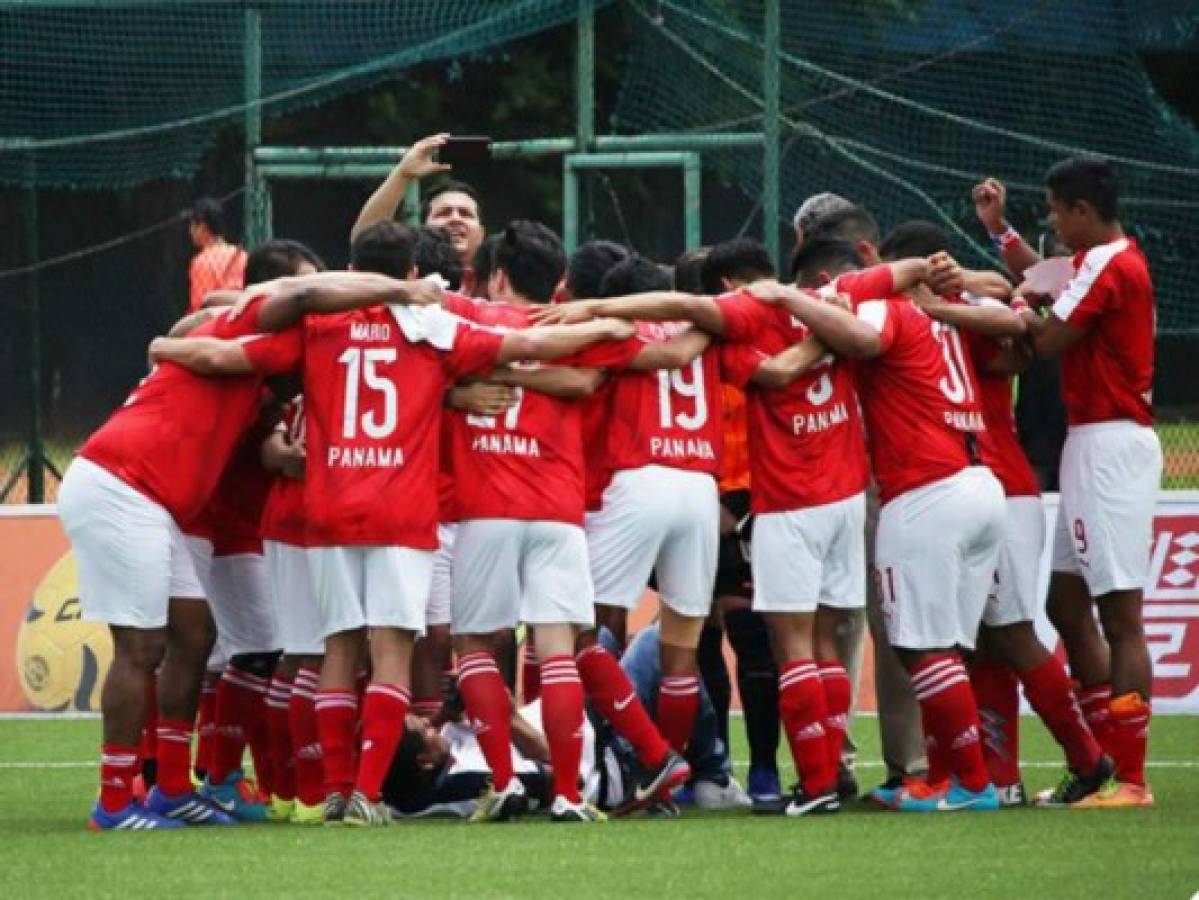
(236,506)
(594,414)
(669,418)
(283,519)
(1001,448)
(1108,374)
(373,386)
(174,434)
(805,440)
(918,398)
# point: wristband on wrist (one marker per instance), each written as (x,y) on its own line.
(1006,238)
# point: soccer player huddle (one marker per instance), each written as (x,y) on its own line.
(318,525)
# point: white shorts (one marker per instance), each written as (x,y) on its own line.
(131,556)
(660,520)
(808,557)
(298,621)
(241,604)
(439,610)
(509,570)
(375,587)
(935,558)
(1013,596)
(1110,475)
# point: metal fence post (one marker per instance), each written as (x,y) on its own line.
(770,131)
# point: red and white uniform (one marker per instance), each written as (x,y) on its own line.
(1112,460)
(373,386)
(807,464)
(151,467)
(1014,596)
(941,522)
(661,452)
(284,536)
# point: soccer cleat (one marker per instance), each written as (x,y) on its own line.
(305,814)
(763,784)
(672,772)
(499,806)
(361,813)
(133,817)
(947,797)
(663,808)
(236,797)
(562,810)
(684,796)
(1012,795)
(802,804)
(887,794)
(333,811)
(280,810)
(1117,795)
(1074,788)
(711,795)
(189,808)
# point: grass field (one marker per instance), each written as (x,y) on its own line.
(47,784)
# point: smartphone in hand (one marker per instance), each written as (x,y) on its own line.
(465,149)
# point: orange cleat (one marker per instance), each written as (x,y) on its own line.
(1117,795)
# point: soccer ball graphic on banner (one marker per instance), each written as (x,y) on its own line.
(62,660)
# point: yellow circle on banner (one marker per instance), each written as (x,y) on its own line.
(61,659)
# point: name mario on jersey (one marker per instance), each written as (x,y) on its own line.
(371,332)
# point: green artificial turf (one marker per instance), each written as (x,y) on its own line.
(1027,854)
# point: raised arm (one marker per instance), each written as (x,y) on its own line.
(993,319)
(416,164)
(1049,335)
(781,369)
(990,200)
(191,322)
(202,355)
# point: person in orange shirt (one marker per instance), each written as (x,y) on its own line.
(218,264)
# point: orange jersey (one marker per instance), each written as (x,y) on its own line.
(734,473)
(218,266)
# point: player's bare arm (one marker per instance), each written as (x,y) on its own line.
(993,318)
(675,353)
(191,322)
(652,306)
(416,164)
(839,330)
(217,299)
(527,739)
(481,398)
(563,382)
(1049,336)
(990,199)
(547,342)
(946,276)
(278,454)
(202,355)
(781,369)
(289,299)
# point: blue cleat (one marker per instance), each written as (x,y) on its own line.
(234,797)
(133,817)
(888,793)
(763,785)
(951,797)
(685,795)
(189,808)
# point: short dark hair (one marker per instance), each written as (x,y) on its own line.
(207,211)
(484,259)
(1083,179)
(818,255)
(854,225)
(278,259)
(914,238)
(434,254)
(385,248)
(688,270)
(742,258)
(531,255)
(407,785)
(587,266)
(635,275)
(447,187)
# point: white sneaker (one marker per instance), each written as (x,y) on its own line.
(563,810)
(710,795)
(499,806)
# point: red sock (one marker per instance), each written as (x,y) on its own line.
(383,711)
(1129,729)
(948,710)
(562,716)
(997,694)
(148,749)
(611,693)
(1094,702)
(118,766)
(258,737)
(283,770)
(530,674)
(239,697)
(205,728)
(678,705)
(174,757)
(305,738)
(336,721)
(489,708)
(1051,695)
(803,712)
(835,681)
